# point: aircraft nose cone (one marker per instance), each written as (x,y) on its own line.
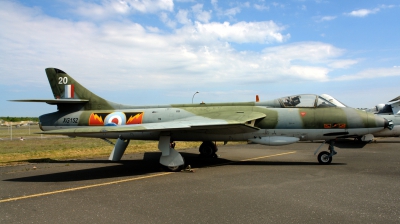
(377,121)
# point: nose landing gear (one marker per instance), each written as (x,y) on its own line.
(325,157)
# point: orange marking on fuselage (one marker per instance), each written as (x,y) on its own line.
(95,120)
(137,119)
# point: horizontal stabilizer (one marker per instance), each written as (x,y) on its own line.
(52,101)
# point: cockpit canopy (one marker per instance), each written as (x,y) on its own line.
(305,100)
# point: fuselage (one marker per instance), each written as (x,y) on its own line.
(303,123)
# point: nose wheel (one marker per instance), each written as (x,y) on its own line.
(325,157)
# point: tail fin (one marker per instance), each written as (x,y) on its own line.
(66,89)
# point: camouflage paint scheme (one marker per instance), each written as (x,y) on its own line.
(390,111)
(82,113)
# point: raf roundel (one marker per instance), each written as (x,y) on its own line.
(117,118)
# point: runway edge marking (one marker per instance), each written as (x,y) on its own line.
(244,160)
(262,157)
(81,188)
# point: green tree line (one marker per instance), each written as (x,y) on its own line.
(16,119)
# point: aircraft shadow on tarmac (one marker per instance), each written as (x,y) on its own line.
(350,144)
(149,164)
(342,143)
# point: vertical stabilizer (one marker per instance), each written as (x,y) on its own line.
(65,87)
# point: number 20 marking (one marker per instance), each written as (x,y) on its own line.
(62,80)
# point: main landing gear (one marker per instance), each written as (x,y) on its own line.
(208,149)
(170,159)
(325,157)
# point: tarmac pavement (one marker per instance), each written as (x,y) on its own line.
(247,183)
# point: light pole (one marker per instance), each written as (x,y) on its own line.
(193,96)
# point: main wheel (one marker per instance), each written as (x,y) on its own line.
(324,158)
(208,149)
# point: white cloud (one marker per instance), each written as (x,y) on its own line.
(309,73)
(342,63)
(152,29)
(261,7)
(387,6)
(108,8)
(167,21)
(316,52)
(366,12)
(362,12)
(242,32)
(202,16)
(276,4)
(232,11)
(127,55)
(183,17)
(326,18)
(370,74)
(228,12)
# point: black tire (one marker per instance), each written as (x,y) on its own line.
(207,149)
(324,158)
(174,168)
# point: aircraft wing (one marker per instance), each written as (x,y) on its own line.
(240,124)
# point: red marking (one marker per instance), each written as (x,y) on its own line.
(115,121)
(327,125)
(72,91)
(303,114)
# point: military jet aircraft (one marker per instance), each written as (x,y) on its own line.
(390,111)
(286,120)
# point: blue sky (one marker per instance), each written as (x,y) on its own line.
(162,51)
